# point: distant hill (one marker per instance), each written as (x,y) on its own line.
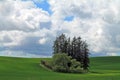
(101,68)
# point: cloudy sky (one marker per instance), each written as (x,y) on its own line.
(29,27)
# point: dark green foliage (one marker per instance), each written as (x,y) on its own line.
(60,44)
(46,64)
(64,63)
(76,48)
(86,57)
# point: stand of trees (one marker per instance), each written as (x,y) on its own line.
(76,48)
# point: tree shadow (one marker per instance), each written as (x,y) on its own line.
(95,72)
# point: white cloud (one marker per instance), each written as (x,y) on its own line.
(24,26)
(96,21)
(11,38)
(42,41)
(21,26)
(21,15)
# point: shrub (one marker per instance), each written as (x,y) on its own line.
(60,62)
(46,64)
(64,63)
(75,66)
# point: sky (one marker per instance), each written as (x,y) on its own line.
(29,27)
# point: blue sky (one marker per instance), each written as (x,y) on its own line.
(29,27)
(69,18)
(44,5)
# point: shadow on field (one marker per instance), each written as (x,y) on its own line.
(96,72)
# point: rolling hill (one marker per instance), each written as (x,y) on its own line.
(101,68)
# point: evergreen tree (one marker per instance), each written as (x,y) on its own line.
(79,50)
(73,47)
(63,43)
(56,46)
(86,57)
(60,44)
(69,47)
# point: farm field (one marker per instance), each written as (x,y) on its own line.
(101,68)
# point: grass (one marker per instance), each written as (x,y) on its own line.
(101,68)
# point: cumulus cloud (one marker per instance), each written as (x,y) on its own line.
(22,26)
(28,28)
(95,21)
(21,15)
(11,38)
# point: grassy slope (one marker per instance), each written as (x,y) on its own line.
(102,68)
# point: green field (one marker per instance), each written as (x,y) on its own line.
(102,68)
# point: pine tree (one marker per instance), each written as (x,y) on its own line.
(86,57)
(79,50)
(56,46)
(69,47)
(73,47)
(60,44)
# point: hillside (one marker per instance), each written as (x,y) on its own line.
(102,68)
